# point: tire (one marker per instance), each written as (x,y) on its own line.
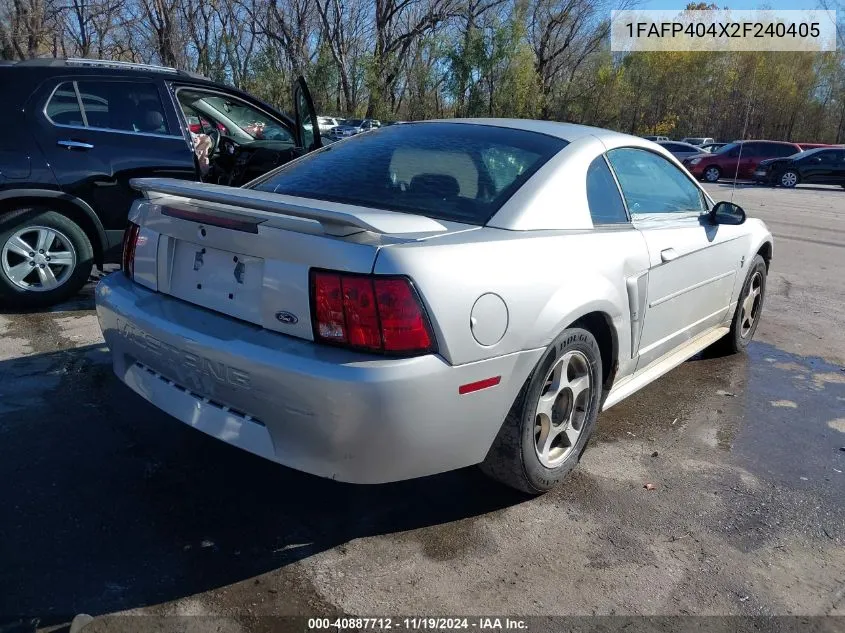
(567,418)
(741,331)
(788,179)
(711,174)
(66,260)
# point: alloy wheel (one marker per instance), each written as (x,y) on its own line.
(751,305)
(562,408)
(38,258)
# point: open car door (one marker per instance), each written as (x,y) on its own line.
(307,129)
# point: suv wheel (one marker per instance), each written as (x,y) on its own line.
(44,258)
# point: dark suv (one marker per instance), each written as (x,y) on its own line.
(75,131)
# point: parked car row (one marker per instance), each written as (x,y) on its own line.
(767,162)
(770,162)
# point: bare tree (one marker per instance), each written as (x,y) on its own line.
(27,28)
(563,34)
(342,30)
(160,24)
(398,23)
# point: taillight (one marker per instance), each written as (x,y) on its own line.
(369,312)
(130,241)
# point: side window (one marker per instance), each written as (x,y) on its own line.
(127,106)
(751,150)
(651,184)
(838,155)
(63,106)
(786,150)
(603,196)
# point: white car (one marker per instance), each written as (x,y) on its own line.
(454,293)
(326,124)
(698,141)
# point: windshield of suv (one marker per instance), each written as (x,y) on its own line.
(354,122)
(451,171)
(250,120)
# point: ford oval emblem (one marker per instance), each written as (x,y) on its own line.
(287,318)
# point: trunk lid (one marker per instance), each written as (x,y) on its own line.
(248,253)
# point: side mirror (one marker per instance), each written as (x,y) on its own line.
(727,213)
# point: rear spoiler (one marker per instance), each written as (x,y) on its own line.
(264,206)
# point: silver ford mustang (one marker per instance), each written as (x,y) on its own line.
(429,296)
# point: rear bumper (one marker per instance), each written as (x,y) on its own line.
(326,411)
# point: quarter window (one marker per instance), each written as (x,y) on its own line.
(651,184)
(63,107)
(603,198)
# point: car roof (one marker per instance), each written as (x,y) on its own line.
(110,66)
(34,71)
(567,131)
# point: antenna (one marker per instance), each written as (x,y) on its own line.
(744,129)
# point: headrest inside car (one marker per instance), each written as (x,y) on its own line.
(439,185)
(153,121)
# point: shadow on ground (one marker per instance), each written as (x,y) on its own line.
(109,504)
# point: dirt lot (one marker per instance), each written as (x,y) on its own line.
(110,506)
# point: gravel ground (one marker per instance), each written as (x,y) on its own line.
(110,507)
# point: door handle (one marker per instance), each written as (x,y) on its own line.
(668,254)
(75,145)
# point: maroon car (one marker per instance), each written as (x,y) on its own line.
(738,159)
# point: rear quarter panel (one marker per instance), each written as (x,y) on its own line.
(547,280)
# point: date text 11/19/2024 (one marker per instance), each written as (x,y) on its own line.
(418,623)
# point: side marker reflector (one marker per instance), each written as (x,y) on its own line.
(481,384)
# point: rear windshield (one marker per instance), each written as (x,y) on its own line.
(450,171)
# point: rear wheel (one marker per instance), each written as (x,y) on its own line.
(552,419)
(789,178)
(712,174)
(44,258)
